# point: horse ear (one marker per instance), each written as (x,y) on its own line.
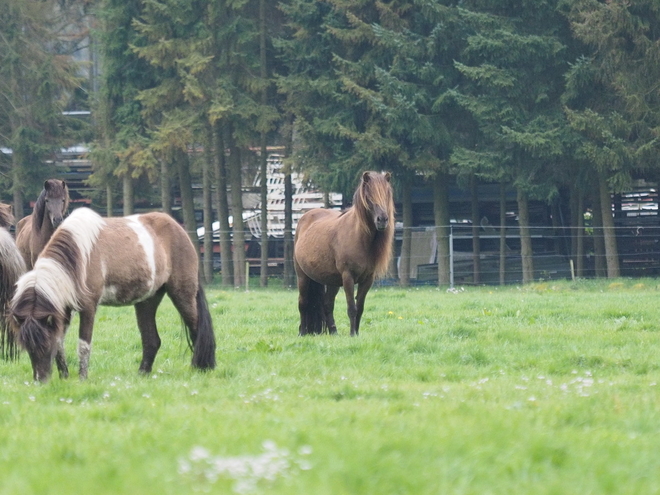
(63,184)
(46,185)
(388,176)
(365,177)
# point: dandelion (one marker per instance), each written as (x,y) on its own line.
(305,450)
(247,471)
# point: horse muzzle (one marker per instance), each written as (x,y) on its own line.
(382,222)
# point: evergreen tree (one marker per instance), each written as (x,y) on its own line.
(512,71)
(364,78)
(38,80)
(121,150)
(613,98)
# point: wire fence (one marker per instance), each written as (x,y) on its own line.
(557,253)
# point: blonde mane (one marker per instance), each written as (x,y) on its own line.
(375,190)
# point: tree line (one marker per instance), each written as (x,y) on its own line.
(547,97)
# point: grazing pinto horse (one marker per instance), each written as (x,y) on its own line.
(89,261)
(11,267)
(340,249)
(35,230)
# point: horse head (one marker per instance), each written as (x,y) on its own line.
(6,216)
(376,196)
(57,200)
(39,324)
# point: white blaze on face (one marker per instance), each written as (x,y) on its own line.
(147,242)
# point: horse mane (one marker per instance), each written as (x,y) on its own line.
(60,273)
(53,188)
(12,267)
(39,210)
(375,189)
(33,306)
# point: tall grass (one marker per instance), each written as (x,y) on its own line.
(543,389)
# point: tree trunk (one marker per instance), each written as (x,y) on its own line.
(476,244)
(503,246)
(289,271)
(187,203)
(263,278)
(525,238)
(558,228)
(609,234)
(17,191)
(222,206)
(128,194)
(207,205)
(574,221)
(165,193)
(579,234)
(441,213)
(237,213)
(109,200)
(406,244)
(600,266)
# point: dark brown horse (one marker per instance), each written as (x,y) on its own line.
(340,249)
(34,231)
(92,260)
(11,267)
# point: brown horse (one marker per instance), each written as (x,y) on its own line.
(340,249)
(90,260)
(6,216)
(11,268)
(34,231)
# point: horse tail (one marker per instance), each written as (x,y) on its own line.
(12,267)
(203,342)
(312,316)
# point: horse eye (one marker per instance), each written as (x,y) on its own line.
(48,321)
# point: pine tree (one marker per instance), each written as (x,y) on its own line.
(512,71)
(121,149)
(364,79)
(38,79)
(613,98)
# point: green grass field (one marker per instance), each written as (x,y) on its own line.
(544,389)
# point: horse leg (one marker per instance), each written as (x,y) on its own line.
(60,360)
(311,306)
(60,356)
(303,298)
(329,308)
(85,340)
(351,309)
(363,288)
(145,313)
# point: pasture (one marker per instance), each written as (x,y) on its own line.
(551,388)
